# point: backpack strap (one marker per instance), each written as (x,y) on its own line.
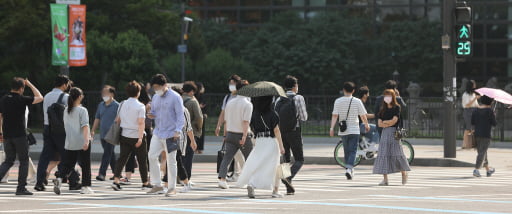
(186,101)
(226,98)
(60,98)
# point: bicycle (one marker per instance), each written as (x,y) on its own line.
(368,151)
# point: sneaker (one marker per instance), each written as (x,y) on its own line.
(277,195)
(23,192)
(76,187)
(111,178)
(147,186)
(223,185)
(86,190)
(125,181)
(116,187)
(170,193)
(349,173)
(290,190)
(250,191)
(56,185)
(185,189)
(156,190)
(100,178)
(233,178)
(384,183)
(476,173)
(39,187)
(490,172)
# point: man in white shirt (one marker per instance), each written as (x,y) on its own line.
(237,115)
(346,110)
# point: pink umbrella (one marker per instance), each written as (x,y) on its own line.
(497,94)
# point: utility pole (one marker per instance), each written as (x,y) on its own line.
(449,80)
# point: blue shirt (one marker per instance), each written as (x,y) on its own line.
(106,114)
(169,114)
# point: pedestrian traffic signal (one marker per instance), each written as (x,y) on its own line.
(463,31)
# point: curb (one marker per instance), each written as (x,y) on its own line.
(429,162)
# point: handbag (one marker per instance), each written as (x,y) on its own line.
(284,170)
(472,139)
(172,144)
(30,138)
(114,133)
(343,123)
(220,156)
(400,132)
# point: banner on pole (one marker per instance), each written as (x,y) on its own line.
(59,20)
(77,47)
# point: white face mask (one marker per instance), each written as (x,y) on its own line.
(106,98)
(388,99)
(232,88)
(159,92)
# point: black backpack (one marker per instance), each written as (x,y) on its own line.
(287,112)
(56,116)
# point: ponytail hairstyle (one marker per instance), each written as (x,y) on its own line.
(74,94)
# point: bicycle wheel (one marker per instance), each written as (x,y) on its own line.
(339,156)
(408,150)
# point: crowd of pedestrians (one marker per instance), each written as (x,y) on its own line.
(161,128)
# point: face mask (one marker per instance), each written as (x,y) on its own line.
(232,88)
(388,99)
(106,98)
(159,92)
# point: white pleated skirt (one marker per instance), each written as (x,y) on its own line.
(260,169)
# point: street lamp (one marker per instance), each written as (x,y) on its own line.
(182,48)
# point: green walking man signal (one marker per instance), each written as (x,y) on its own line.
(463,32)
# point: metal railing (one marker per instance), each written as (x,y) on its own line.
(423,117)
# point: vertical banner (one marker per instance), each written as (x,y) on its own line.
(59,19)
(77,48)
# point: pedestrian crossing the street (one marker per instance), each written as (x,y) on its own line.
(316,184)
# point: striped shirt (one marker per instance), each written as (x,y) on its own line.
(357,108)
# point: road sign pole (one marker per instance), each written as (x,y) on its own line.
(449,83)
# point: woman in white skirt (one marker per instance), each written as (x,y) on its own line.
(260,169)
(391,158)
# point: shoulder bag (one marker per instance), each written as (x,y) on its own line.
(114,133)
(343,123)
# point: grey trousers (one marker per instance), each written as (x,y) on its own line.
(232,147)
(482,145)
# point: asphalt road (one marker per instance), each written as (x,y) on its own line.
(320,189)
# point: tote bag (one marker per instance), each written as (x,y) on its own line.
(114,133)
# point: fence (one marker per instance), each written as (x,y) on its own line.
(423,117)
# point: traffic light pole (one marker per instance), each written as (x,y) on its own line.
(182,40)
(449,82)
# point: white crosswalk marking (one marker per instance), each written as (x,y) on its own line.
(313,180)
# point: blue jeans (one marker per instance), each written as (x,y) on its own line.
(108,158)
(373,134)
(350,143)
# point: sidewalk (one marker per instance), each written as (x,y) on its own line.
(320,150)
